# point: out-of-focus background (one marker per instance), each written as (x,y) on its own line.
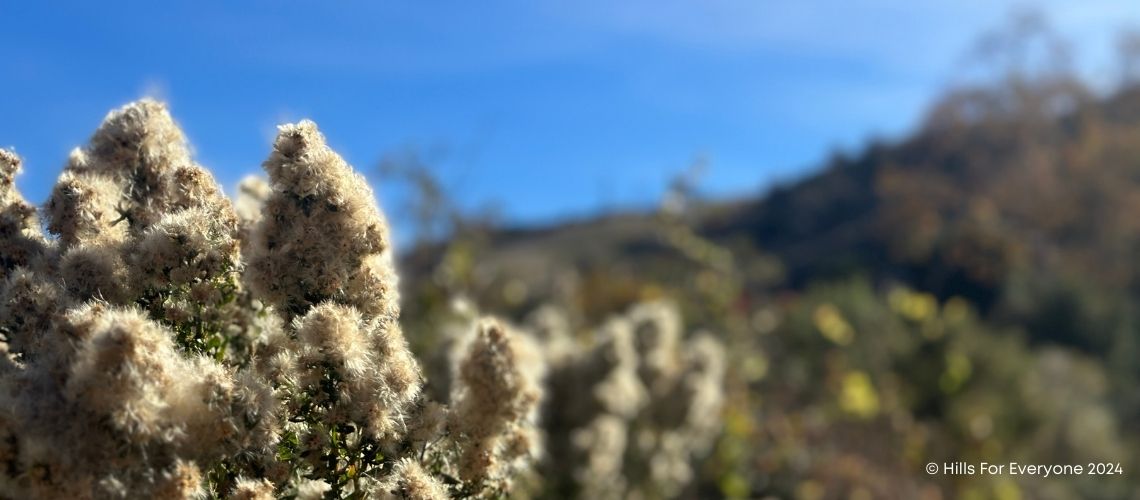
(916,225)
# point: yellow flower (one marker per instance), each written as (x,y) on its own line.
(832,326)
(858,396)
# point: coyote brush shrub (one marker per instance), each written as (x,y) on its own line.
(159,343)
(627,414)
(630,413)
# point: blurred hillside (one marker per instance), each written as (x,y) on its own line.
(967,292)
(1028,189)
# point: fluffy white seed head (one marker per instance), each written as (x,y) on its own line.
(497,394)
(656,331)
(21,244)
(320,207)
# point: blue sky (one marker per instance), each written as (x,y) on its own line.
(550,109)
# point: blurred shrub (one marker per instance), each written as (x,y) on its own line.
(630,409)
(911,381)
(633,409)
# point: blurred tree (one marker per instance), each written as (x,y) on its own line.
(431,205)
(1128,57)
(1025,48)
